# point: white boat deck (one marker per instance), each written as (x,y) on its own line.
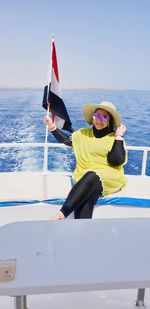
(23,197)
(25,191)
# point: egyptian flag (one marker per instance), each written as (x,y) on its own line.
(52,97)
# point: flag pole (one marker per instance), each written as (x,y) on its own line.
(45,164)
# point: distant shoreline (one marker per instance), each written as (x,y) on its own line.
(73,89)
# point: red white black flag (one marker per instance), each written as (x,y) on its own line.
(52,97)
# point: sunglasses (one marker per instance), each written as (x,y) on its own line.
(103,118)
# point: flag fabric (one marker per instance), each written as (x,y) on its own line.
(52,96)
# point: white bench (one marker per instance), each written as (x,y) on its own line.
(76,255)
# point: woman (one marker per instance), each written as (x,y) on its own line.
(100,154)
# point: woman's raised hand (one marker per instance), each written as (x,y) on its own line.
(49,122)
(121,129)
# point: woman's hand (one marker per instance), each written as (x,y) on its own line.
(121,129)
(49,122)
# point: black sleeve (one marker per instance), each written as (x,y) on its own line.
(61,137)
(116,156)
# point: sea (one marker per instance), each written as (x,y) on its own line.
(22,121)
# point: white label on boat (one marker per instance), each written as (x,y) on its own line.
(7,270)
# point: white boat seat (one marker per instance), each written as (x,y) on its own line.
(29,188)
(135,193)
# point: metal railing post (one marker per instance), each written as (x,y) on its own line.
(20,302)
(140,298)
(143,172)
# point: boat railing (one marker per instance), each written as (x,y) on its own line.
(45,146)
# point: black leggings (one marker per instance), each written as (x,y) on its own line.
(83,196)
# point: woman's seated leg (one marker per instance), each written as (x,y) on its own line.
(86,190)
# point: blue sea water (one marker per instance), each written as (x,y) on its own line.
(21,120)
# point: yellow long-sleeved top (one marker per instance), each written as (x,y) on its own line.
(91,155)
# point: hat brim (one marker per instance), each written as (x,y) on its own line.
(89,109)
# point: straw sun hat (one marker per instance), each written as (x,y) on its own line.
(89,109)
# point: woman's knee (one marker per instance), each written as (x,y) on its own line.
(91,177)
(92,180)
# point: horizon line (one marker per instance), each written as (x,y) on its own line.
(73,88)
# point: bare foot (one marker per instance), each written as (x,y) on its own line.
(58,216)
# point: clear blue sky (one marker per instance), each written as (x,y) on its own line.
(100,43)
